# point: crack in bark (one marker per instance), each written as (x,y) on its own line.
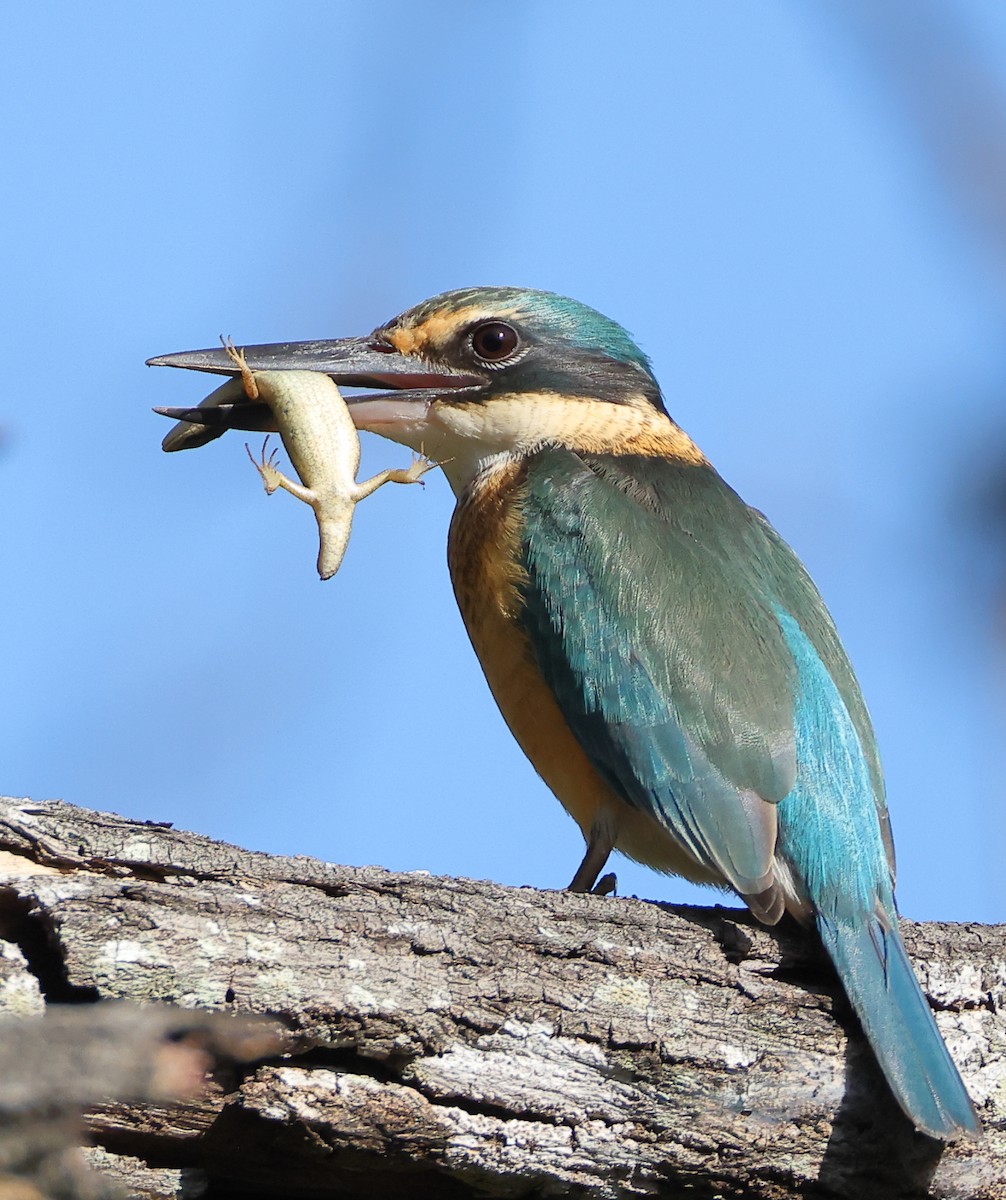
(28,927)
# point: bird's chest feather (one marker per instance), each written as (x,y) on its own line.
(486,563)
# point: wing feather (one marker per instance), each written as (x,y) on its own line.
(650,602)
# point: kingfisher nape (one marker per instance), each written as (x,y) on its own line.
(658,651)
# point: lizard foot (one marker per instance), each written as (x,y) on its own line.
(417,469)
(237,357)
(272,477)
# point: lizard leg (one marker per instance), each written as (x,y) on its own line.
(274,478)
(411,474)
(237,357)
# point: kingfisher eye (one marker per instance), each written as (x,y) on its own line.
(494,341)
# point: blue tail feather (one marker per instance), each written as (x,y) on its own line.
(830,833)
(879,980)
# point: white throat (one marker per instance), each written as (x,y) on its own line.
(465,438)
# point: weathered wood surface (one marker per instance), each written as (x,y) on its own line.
(460,1039)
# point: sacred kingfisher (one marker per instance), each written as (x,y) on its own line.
(657,650)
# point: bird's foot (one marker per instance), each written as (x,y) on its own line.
(600,843)
(607,885)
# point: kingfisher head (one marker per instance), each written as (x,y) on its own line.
(478,372)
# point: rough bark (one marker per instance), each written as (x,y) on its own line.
(460,1039)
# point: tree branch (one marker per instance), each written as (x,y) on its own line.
(459,1039)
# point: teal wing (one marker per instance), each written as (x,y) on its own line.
(653,606)
(698,667)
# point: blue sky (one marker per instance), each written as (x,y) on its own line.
(753,190)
